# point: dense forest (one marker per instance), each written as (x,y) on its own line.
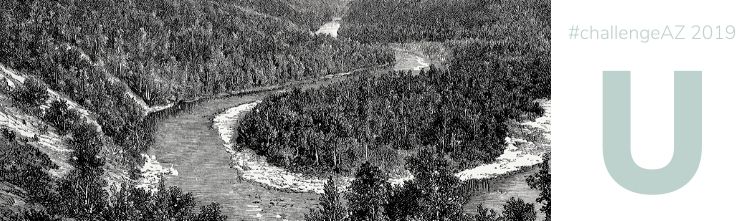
(459,113)
(165,51)
(169,49)
(462,111)
(338,127)
(434,194)
(430,123)
(82,194)
(526,22)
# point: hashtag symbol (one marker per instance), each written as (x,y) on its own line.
(573,32)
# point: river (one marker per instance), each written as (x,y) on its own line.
(330,28)
(189,144)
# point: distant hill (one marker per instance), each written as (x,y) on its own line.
(309,14)
(441,20)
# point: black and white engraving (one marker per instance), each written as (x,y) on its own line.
(275,110)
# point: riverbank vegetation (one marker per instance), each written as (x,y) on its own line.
(336,128)
(97,53)
(433,194)
(542,181)
(164,51)
(84,194)
(497,70)
(498,67)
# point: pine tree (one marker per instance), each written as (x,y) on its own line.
(33,92)
(485,214)
(440,195)
(61,117)
(542,181)
(517,210)
(82,191)
(211,212)
(332,208)
(368,193)
(402,203)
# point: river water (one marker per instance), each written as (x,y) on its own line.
(190,145)
(330,28)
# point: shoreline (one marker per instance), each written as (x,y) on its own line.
(253,167)
(152,169)
(519,153)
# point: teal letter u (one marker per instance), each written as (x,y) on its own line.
(617,134)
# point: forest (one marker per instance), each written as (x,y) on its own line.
(305,13)
(168,50)
(83,193)
(372,128)
(441,20)
(463,111)
(498,70)
(433,194)
(165,51)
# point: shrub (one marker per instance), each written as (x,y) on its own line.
(542,181)
(368,193)
(33,92)
(517,210)
(486,214)
(332,207)
(402,203)
(26,166)
(439,191)
(60,117)
(211,212)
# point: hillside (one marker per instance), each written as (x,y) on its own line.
(38,152)
(308,14)
(514,21)
(148,54)
(105,65)
(492,76)
(94,93)
(493,71)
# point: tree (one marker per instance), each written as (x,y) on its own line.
(82,191)
(86,144)
(542,181)
(332,208)
(402,203)
(125,203)
(485,214)
(367,193)
(211,212)
(61,117)
(517,210)
(33,92)
(172,204)
(26,167)
(440,195)
(37,213)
